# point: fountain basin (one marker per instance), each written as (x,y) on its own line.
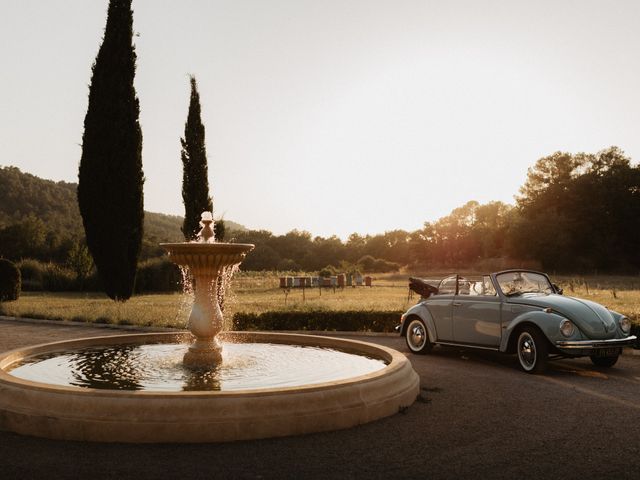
(207,259)
(86,414)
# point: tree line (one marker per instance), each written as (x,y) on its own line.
(575,213)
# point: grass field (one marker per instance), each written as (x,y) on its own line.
(259,293)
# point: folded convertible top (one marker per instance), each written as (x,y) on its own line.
(421,287)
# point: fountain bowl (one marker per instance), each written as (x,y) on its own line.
(86,414)
(207,258)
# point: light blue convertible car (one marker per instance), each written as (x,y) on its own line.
(514,311)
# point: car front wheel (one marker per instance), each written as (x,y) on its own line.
(604,361)
(533,350)
(417,336)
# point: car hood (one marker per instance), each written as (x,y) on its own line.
(594,320)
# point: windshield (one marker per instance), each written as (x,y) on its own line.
(517,283)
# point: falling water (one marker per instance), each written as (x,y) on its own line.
(225,293)
(186,301)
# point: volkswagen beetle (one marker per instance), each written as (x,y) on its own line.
(514,311)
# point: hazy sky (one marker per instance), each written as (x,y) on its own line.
(333,116)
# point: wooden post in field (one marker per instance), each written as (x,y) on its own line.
(286,294)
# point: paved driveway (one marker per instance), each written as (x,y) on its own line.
(478,417)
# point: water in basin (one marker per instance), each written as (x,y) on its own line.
(159,367)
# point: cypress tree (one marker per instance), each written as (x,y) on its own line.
(110,174)
(195,178)
(195,181)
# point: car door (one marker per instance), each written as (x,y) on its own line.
(476,313)
(440,306)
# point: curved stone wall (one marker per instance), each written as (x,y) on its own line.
(84,414)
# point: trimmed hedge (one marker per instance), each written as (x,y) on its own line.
(328,320)
(10,281)
(318,320)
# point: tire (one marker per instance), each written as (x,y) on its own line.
(417,336)
(605,362)
(533,350)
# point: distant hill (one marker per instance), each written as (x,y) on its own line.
(55,203)
(23,194)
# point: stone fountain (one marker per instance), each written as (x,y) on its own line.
(34,402)
(206,260)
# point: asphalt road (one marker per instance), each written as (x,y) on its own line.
(478,416)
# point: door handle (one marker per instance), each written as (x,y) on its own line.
(457,304)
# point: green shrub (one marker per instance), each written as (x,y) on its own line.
(286,264)
(318,320)
(32,273)
(384,266)
(58,279)
(10,281)
(93,283)
(327,272)
(50,277)
(158,275)
(368,264)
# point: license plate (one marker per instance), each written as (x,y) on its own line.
(607,352)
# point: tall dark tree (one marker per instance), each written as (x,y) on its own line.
(577,212)
(195,182)
(110,175)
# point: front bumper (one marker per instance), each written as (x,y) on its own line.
(596,344)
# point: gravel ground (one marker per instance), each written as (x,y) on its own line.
(478,417)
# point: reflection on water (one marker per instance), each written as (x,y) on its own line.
(158,367)
(106,368)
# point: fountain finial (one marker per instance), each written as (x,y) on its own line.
(206,234)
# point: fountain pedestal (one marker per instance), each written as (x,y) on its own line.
(205,322)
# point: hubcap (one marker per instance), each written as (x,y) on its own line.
(417,335)
(527,351)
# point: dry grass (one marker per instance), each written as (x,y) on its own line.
(618,293)
(150,310)
(259,293)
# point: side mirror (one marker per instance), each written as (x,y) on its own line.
(558,290)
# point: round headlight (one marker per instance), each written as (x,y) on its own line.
(566,328)
(625,325)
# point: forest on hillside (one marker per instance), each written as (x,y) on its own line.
(575,213)
(40,219)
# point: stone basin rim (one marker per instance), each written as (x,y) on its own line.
(393,359)
(86,414)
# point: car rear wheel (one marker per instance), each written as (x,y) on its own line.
(604,361)
(417,336)
(533,350)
